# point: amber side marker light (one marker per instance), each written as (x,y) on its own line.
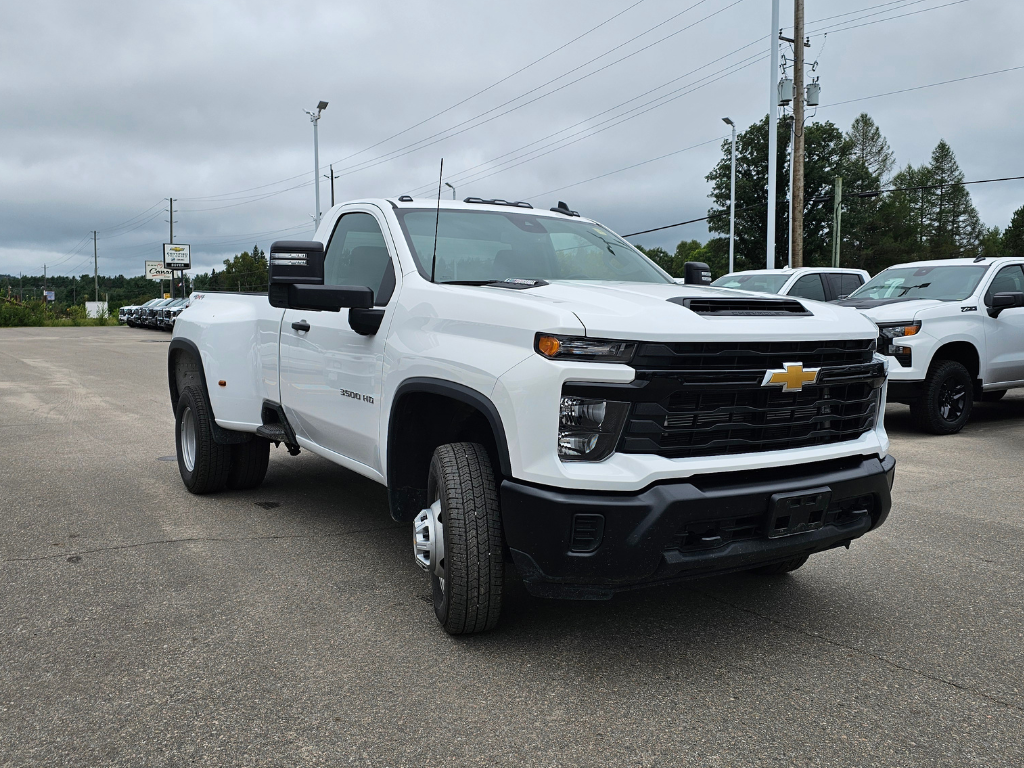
(548,345)
(222,383)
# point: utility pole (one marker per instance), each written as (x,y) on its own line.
(332,177)
(451,188)
(95,266)
(837,221)
(792,135)
(170,220)
(773,133)
(797,221)
(732,198)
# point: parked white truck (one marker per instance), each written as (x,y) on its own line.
(954,330)
(533,390)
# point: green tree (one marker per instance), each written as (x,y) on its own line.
(751,195)
(246,271)
(952,226)
(869,148)
(1013,235)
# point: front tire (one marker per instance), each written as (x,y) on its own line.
(202,462)
(467,599)
(947,400)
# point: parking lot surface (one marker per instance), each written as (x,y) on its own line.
(140,625)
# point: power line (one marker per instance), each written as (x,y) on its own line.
(922,87)
(466,175)
(870,193)
(434,138)
(630,167)
(474,178)
(443,111)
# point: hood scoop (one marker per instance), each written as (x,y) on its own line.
(743,307)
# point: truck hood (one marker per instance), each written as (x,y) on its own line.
(890,310)
(644,311)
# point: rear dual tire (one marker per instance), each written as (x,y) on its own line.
(205,465)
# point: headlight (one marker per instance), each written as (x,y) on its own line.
(891,331)
(582,348)
(896,330)
(588,429)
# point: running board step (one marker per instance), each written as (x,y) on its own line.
(276,432)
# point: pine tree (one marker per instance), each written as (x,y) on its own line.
(953,227)
(1013,235)
(869,147)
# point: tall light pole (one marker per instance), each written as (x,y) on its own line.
(314,117)
(773,133)
(797,221)
(451,188)
(732,198)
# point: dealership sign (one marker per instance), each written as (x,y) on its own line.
(155,270)
(177,256)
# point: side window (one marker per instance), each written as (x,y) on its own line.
(358,255)
(808,287)
(851,283)
(1008,279)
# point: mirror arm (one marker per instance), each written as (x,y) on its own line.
(365,322)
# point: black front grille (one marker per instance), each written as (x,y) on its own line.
(737,355)
(707,399)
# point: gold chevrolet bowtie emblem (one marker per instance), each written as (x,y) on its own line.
(791,377)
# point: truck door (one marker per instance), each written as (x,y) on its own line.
(1004,335)
(331,375)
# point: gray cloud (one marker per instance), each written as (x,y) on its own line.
(110,107)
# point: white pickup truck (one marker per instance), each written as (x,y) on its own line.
(533,390)
(955,331)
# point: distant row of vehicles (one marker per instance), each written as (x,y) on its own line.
(155,313)
(953,328)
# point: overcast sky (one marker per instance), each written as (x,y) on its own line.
(107,108)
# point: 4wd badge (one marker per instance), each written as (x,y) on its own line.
(791,377)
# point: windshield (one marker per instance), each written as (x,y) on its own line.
(757,282)
(486,246)
(943,283)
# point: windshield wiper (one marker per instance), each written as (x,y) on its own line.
(912,287)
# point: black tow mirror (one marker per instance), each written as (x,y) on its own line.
(696,273)
(297,280)
(1005,300)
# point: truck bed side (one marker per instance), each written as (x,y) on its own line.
(238,340)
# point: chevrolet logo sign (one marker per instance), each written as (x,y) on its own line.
(791,377)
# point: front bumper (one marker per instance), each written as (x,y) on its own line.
(706,525)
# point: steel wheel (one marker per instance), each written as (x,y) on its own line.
(188,439)
(428,543)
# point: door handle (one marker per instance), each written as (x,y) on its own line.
(301,325)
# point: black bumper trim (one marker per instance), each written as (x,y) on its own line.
(640,543)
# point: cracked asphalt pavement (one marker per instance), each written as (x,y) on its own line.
(289,626)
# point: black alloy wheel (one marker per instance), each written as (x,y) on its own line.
(946,400)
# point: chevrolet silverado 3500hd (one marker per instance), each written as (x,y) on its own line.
(533,390)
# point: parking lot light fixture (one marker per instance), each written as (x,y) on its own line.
(314,117)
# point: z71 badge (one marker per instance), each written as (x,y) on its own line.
(968,309)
